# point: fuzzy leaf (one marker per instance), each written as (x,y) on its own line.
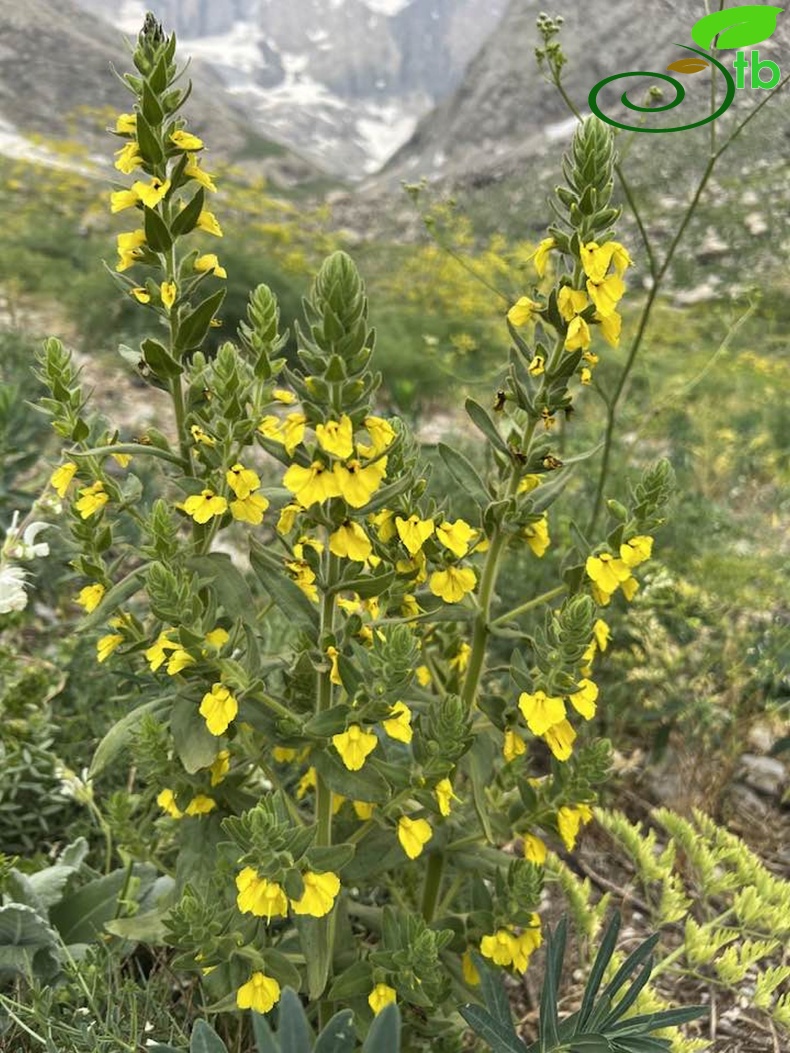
(500,1038)
(384,1034)
(465,474)
(120,734)
(193,328)
(338,1036)
(205,1039)
(482,421)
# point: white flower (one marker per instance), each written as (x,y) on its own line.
(79,788)
(25,547)
(12,589)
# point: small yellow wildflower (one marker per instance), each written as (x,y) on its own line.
(413,532)
(611,325)
(200,805)
(606,294)
(126,123)
(210,262)
(336,437)
(541,711)
(398,725)
(208,222)
(456,536)
(534,850)
(194,171)
(522,311)
(258,896)
(525,944)
(249,509)
(541,255)
(560,738)
(537,365)
(241,480)
(414,835)
(122,199)
(203,506)
(571,302)
(354,745)
(166,800)
(350,541)
(460,661)
(381,995)
(92,499)
(583,699)
(607,571)
(261,993)
(578,335)
(358,483)
(537,535)
(218,708)
(384,523)
(470,974)
(105,645)
(363,809)
(220,767)
(444,795)
(129,245)
(150,193)
(381,433)
(636,550)
(186,141)
(128,158)
(453,583)
(310,485)
(499,947)
(91,596)
(201,437)
(513,746)
(61,478)
(319,895)
(179,660)
(168,291)
(288,514)
(570,820)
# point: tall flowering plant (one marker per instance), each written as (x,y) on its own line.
(351,784)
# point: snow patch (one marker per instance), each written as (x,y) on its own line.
(238,49)
(383,130)
(387,7)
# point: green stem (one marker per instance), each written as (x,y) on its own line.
(433,882)
(664,964)
(131,448)
(522,608)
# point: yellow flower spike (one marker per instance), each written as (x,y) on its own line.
(499,947)
(611,325)
(200,805)
(105,645)
(541,255)
(413,532)
(128,158)
(414,835)
(311,485)
(453,583)
(595,259)
(443,792)
(61,478)
(636,550)
(166,800)
(208,223)
(220,767)
(607,571)
(91,596)
(382,995)
(151,193)
(381,433)
(218,708)
(209,262)
(122,199)
(203,506)
(193,170)
(357,484)
(126,123)
(250,509)
(350,541)
(583,700)
(186,141)
(319,895)
(537,365)
(168,292)
(92,499)
(156,654)
(336,437)
(560,738)
(354,746)
(541,711)
(606,294)
(241,480)
(571,302)
(522,311)
(384,524)
(201,437)
(535,850)
(578,336)
(363,810)
(525,944)
(469,972)
(455,536)
(513,746)
(178,661)
(261,993)
(398,725)
(537,535)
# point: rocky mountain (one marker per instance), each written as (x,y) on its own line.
(342,81)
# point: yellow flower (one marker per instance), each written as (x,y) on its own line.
(578,336)
(413,532)
(201,507)
(288,514)
(261,993)
(91,596)
(128,158)
(522,311)
(559,738)
(541,255)
(122,199)
(413,835)
(596,258)
(541,711)
(218,708)
(200,805)
(607,571)
(444,795)
(92,499)
(61,478)
(351,542)
(201,437)
(249,509)
(304,577)
(256,895)
(525,944)
(209,262)
(571,302)
(354,746)
(460,661)
(381,433)
(105,645)
(186,141)
(310,485)
(455,536)
(121,459)
(528,484)
(583,699)
(423,674)
(156,654)
(384,522)
(319,894)
(606,294)
(470,974)
(398,725)
(534,850)
(498,947)
(126,123)
(636,550)
(208,222)
(630,588)
(282,395)
(514,745)
(537,365)
(356,483)
(620,257)
(129,245)
(334,675)
(283,754)
(220,767)
(168,291)
(537,535)
(453,583)
(336,437)
(569,821)
(611,324)
(194,171)
(151,193)
(241,480)
(166,799)
(217,637)
(585,376)
(363,809)
(179,659)
(381,996)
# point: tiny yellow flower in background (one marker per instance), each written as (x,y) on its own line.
(258,896)
(193,170)
(241,480)
(261,993)
(91,596)
(541,255)
(583,700)
(537,535)
(470,974)
(310,485)
(381,433)
(186,141)
(203,506)
(105,645)
(283,395)
(453,583)
(498,947)
(121,459)
(602,634)
(413,532)
(444,795)
(363,809)
(398,725)
(92,499)
(350,541)
(560,738)
(637,550)
(166,800)
(606,294)
(585,376)
(168,292)
(382,995)
(218,708)
(288,514)
(528,484)
(126,123)
(569,822)
(209,262)
(217,637)
(283,754)
(423,674)
(356,483)
(460,661)
(200,805)
(128,158)
(414,835)
(541,711)
(336,437)
(122,199)
(534,850)
(156,654)
(513,746)
(219,767)
(250,509)
(456,536)
(571,302)
(522,311)
(304,577)
(208,222)
(578,336)
(201,437)
(319,895)
(354,746)
(151,193)
(61,478)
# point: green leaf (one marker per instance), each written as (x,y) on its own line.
(485,423)
(205,1039)
(338,1036)
(159,360)
(187,218)
(367,784)
(152,110)
(158,1047)
(157,232)
(366,585)
(195,745)
(663,1018)
(262,1033)
(193,327)
(602,959)
(148,927)
(278,966)
(354,982)
(228,582)
(384,1034)
(500,1038)
(465,474)
(113,599)
(285,593)
(293,1031)
(737,27)
(493,992)
(150,146)
(480,768)
(330,722)
(81,916)
(321,858)
(120,734)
